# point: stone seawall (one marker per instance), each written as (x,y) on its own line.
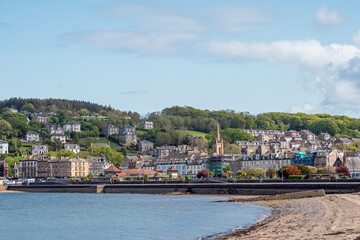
(195,188)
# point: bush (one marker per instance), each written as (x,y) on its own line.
(256,173)
(343,169)
(292,170)
(297,177)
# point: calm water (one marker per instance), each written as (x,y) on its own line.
(119,216)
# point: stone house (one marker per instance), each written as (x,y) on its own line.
(43,118)
(145,146)
(61,137)
(98,164)
(72,127)
(39,150)
(111,130)
(4,169)
(72,147)
(32,136)
(128,135)
(324,136)
(146,125)
(55,129)
(307,135)
(323,158)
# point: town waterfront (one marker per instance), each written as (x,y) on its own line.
(120,216)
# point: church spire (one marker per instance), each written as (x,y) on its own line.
(218,133)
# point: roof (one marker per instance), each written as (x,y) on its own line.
(157,169)
(72,123)
(2,142)
(146,142)
(137,171)
(112,169)
(32,132)
(172,169)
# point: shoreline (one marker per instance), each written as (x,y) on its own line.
(329,217)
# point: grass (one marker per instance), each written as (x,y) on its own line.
(140,132)
(196,133)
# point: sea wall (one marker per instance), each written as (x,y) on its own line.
(195,188)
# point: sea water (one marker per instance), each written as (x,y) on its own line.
(68,216)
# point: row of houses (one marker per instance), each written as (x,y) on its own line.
(63,168)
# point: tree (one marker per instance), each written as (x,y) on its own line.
(146,177)
(256,173)
(210,174)
(303,169)
(202,174)
(272,172)
(232,149)
(5,129)
(187,178)
(240,174)
(28,107)
(343,169)
(75,137)
(226,173)
(291,170)
(57,144)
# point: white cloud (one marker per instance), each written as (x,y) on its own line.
(190,19)
(123,41)
(330,18)
(335,67)
(356,37)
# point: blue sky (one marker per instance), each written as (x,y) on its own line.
(256,56)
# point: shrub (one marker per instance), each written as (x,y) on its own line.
(202,174)
(240,174)
(343,169)
(256,173)
(297,177)
(292,170)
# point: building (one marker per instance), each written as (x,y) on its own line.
(163,151)
(265,162)
(72,147)
(172,172)
(72,127)
(13,110)
(98,164)
(55,129)
(306,158)
(39,150)
(4,147)
(270,133)
(307,135)
(61,137)
(4,169)
(43,118)
(61,168)
(216,164)
(324,137)
(146,125)
(28,168)
(218,146)
(111,130)
(32,136)
(128,135)
(324,158)
(145,146)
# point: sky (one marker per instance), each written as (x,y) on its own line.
(255,56)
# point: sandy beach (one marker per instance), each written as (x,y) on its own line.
(330,217)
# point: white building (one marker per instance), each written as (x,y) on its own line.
(61,137)
(32,136)
(72,127)
(72,147)
(98,164)
(4,147)
(147,125)
(39,150)
(55,129)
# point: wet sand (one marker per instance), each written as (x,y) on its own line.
(331,217)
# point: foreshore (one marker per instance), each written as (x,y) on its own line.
(334,216)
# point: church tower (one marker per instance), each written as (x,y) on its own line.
(218,146)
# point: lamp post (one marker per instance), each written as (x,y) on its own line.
(329,167)
(282,171)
